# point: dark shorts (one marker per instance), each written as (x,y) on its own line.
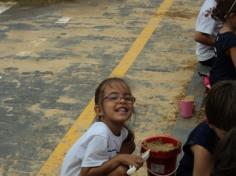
(208,62)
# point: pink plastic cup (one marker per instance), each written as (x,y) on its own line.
(186,107)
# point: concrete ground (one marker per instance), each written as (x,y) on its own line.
(53,57)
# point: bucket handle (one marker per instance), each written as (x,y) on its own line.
(149,170)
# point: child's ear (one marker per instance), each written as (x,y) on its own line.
(98,110)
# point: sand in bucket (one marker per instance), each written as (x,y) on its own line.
(163,155)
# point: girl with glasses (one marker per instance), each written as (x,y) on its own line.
(225,45)
(105,148)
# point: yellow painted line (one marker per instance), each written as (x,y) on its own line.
(52,165)
(141,41)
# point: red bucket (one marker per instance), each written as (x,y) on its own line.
(161,162)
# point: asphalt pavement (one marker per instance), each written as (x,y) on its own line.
(52,58)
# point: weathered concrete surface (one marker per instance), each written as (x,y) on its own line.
(163,71)
(36,2)
(49,71)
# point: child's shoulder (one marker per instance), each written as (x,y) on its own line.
(226,36)
(203,125)
(98,128)
(203,128)
(208,5)
(202,135)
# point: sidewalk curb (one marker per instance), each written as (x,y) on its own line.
(195,88)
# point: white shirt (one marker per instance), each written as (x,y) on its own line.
(206,24)
(95,147)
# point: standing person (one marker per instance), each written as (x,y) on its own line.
(220,107)
(106,147)
(225,64)
(225,156)
(206,31)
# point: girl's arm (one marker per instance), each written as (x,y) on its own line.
(110,166)
(205,39)
(232,52)
(202,161)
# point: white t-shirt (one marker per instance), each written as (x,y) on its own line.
(95,147)
(206,24)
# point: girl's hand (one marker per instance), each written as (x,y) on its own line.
(130,160)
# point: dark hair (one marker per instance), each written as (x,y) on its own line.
(223,9)
(220,105)
(99,93)
(225,156)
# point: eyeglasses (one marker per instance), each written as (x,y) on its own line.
(117,98)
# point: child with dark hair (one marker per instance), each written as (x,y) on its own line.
(225,64)
(220,108)
(225,156)
(105,148)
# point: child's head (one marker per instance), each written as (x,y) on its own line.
(225,156)
(220,106)
(114,100)
(224,9)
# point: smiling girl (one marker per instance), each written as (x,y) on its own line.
(105,149)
